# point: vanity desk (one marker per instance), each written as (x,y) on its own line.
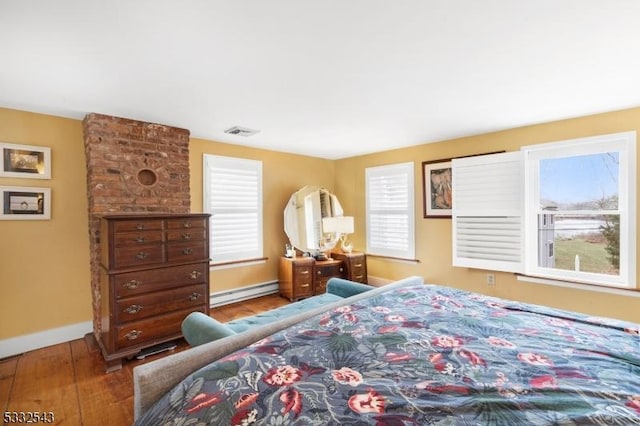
(301,277)
(310,225)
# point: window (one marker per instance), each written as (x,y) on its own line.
(233,196)
(390,210)
(580,198)
(562,210)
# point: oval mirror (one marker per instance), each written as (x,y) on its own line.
(303,219)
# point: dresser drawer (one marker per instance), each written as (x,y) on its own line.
(156,303)
(133,283)
(303,274)
(137,225)
(183,235)
(186,223)
(358,270)
(147,330)
(134,239)
(186,252)
(138,256)
(303,281)
(323,273)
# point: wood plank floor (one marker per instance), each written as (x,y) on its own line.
(69,381)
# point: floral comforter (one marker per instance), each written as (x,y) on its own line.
(423,355)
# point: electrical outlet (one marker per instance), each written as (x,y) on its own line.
(491,279)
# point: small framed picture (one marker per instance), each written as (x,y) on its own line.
(437,187)
(25,161)
(25,203)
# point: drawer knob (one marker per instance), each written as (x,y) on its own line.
(133,284)
(187,251)
(186,236)
(194,297)
(186,224)
(359,277)
(133,309)
(142,255)
(358,265)
(133,335)
(140,239)
(304,285)
(305,272)
(194,275)
(140,226)
(319,272)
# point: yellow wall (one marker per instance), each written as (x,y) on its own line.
(282,175)
(44,265)
(433,236)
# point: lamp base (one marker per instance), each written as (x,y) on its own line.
(346,246)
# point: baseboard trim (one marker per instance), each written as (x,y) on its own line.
(377,281)
(29,342)
(227,297)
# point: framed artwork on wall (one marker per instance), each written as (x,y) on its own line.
(437,188)
(25,161)
(25,203)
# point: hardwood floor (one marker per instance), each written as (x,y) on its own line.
(69,381)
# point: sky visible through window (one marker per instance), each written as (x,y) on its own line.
(579,179)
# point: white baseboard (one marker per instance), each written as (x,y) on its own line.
(377,281)
(243,293)
(28,342)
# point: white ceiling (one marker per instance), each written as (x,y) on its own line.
(326,78)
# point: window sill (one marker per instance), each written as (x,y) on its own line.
(237,263)
(394,259)
(620,291)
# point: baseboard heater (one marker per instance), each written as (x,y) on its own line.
(227,297)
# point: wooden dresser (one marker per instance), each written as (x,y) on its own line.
(155,271)
(302,277)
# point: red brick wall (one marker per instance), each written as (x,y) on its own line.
(132,167)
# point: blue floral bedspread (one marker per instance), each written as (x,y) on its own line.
(423,355)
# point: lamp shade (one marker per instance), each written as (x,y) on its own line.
(338,224)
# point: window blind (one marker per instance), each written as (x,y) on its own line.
(233,196)
(390,210)
(487,214)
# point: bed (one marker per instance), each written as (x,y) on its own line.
(421,355)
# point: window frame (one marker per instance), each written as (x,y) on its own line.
(623,143)
(404,171)
(235,163)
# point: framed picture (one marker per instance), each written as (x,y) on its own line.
(437,186)
(25,161)
(25,203)
(437,180)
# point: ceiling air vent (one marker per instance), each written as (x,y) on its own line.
(241,131)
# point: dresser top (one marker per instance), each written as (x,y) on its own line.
(134,216)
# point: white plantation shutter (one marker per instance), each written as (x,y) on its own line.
(233,196)
(390,210)
(488,212)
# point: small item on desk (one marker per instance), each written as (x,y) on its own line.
(289,251)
